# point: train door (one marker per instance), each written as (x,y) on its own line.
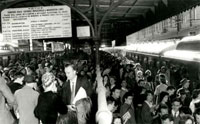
(5,61)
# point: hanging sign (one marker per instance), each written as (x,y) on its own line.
(36,23)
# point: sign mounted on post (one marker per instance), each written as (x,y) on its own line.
(36,23)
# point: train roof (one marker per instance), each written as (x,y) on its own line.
(187,49)
(191,43)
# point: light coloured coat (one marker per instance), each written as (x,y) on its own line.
(26,99)
(5,95)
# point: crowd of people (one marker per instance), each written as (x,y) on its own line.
(53,89)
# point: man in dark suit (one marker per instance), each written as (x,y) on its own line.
(148,109)
(175,113)
(73,84)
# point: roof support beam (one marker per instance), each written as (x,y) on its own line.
(165,2)
(113,6)
(43,2)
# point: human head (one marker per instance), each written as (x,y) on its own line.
(196,93)
(163,69)
(171,90)
(117,120)
(162,78)
(69,118)
(82,73)
(131,74)
(40,65)
(164,110)
(11,73)
(83,107)
(182,94)
(18,75)
(29,69)
(164,96)
(185,83)
(112,80)
(124,83)
(48,67)
(139,74)
(29,80)
(115,92)
(111,104)
(166,119)
(106,79)
(70,71)
(128,98)
(148,73)
(186,119)
(141,82)
(176,104)
(149,96)
(137,66)
(49,82)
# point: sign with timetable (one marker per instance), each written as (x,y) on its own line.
(36,23)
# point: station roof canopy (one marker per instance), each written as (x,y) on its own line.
(123,16)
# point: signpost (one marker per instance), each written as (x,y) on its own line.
(36,23)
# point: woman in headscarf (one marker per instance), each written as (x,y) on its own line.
(49,103)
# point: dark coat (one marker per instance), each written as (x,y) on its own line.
(147,117)
(176,119)
(48,107)
(157,120)
(65,91)
(128,108)
(14,87)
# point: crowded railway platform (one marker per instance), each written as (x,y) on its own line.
(100,62)
(37,90)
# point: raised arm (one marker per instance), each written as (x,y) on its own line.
(103,115)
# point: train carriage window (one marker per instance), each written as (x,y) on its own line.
(1,61)
(5,61)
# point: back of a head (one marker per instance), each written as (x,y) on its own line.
(18,74)
(84,106)
(69,118)
(162,78)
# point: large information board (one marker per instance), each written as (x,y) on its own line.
(36,23)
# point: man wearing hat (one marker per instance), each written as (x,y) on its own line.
(27,99)
(185,84)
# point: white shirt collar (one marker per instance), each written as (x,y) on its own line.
(173,113)
(19,80)
(124,89)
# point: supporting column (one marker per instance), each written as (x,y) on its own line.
(97,43)
(96,37)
